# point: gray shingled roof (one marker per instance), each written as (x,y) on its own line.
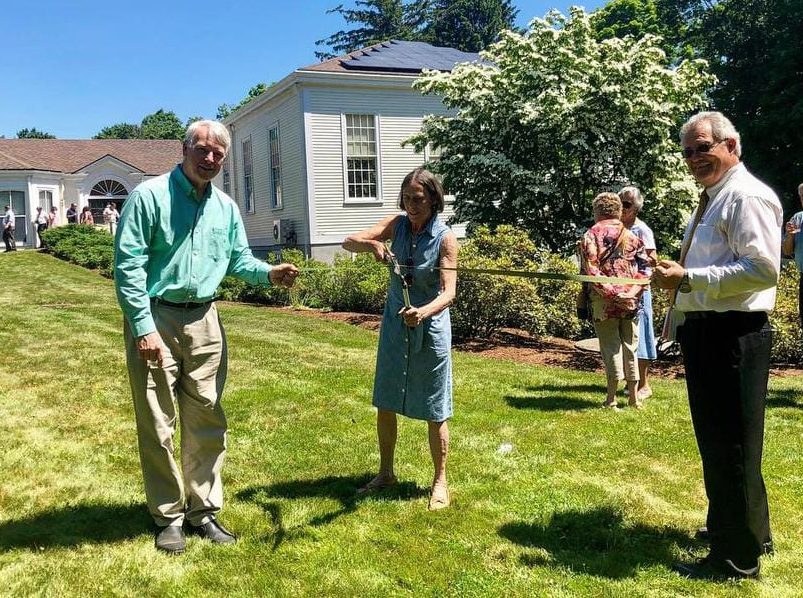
(396,56)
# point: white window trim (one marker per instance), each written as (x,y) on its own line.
(252,208)
(280,204)
(372,201)
(225,176)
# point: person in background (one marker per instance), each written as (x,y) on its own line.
(72,214)
(8,229)
(609,249)
(86,216)
(40,221)
(53,217)
(179,236)
(632,203)
(793,247)
(726,282)
(414,363)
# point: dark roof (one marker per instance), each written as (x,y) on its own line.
(396,56)
(151,156)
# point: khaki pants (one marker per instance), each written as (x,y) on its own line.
(618,343)
(192,379)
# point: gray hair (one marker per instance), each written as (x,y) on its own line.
(721,128)
(217,131)
(800,188)
(635,196)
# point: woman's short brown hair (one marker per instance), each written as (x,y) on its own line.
(606,206)
(431,184)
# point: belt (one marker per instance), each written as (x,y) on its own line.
(184,305)
(725,315)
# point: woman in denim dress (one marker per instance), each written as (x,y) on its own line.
(414,366)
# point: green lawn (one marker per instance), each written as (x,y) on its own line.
(587,502)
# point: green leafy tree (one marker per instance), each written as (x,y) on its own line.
(468,25)
(33,133)
(192,119)
(558,117)
(120,131)
(379,20)
(225,110)
(674,20)
(161,125)
(755,47)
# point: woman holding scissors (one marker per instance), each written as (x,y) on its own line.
(414,365)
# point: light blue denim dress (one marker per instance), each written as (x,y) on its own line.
(414,365)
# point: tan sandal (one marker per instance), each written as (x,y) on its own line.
(378,483)
(438,498)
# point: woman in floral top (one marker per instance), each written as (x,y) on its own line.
(609,249)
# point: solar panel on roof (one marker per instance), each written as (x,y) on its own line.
(408,57)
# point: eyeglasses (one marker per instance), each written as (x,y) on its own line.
(202,152)
(703,148)
(408,273)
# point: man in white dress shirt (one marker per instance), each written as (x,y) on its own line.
(725,288)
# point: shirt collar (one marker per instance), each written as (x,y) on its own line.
(184,183)
(716,188)
(427,228)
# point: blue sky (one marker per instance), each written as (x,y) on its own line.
(72,68)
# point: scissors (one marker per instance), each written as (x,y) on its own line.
(396,269)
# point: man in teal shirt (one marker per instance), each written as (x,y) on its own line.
(177,238)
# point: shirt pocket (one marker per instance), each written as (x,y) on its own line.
(219,246)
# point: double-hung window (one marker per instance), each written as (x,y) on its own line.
(275,166)
(226,177)
(248,177)
(46,201)
(362,157)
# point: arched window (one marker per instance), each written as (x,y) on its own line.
(104,192)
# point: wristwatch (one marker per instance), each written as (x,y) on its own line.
(685,285)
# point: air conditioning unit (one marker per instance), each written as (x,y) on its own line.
(283,232)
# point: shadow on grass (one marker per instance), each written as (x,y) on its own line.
(787,397)
(563,400)
(340,488)
(76,524)
(597,543)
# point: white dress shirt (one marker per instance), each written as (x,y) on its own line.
(735,255)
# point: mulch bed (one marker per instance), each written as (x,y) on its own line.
(518,345)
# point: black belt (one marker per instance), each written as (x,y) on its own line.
(185,305)
(725,315)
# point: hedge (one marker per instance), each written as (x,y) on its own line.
(484,304)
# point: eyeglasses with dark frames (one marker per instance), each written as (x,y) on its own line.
(702,148)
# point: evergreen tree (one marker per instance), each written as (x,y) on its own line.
(379,20)
(468,25)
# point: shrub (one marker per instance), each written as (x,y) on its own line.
(787,344)
(486,303)
(86,246)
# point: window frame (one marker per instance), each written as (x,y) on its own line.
(276,202)
(249,204)
(377,199)
(225,173)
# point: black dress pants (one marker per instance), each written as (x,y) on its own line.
(727,356)
(8,239)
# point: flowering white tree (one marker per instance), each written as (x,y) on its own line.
(552,117)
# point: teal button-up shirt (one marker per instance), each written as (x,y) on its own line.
(172,244)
